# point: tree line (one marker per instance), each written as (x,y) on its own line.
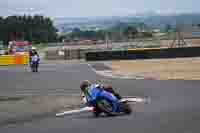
(35,29)
(87,34)
(118,32)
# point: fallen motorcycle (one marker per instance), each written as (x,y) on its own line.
(105,106)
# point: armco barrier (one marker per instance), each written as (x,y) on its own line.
(25,59)
(53,55)
(18,59)
(148,53)
(67,54)
(7,60)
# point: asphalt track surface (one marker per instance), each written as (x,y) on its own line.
(174,106)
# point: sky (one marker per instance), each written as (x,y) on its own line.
(89,8)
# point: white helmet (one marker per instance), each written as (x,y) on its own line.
(33,48)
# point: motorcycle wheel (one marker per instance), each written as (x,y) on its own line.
(97,112)
(32,68)
(36,69)
(126,108)
(105,106)
(37,66)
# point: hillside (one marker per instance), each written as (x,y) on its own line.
(154,20)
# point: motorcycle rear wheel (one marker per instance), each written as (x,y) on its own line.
(126,108)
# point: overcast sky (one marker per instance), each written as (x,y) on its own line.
(83,8)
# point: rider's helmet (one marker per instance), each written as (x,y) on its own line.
(85,84)
(35,53)
(33,48)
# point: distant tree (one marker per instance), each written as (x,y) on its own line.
(142,26)
(32,28)
(131,32)
(1,28)
(76,30)
(146,34)
(88,34)
(168,28)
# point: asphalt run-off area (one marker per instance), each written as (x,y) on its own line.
(28,102)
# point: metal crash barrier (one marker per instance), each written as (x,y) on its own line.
(17,59)
(143,53)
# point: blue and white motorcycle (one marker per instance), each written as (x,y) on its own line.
(34,63)
(105,107)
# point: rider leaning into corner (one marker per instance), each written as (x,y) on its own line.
(34,58)
(33,52)
(93,91)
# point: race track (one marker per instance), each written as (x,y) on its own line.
(174,106)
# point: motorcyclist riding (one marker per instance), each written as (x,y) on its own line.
(34,59)
(94,91)
(32,52)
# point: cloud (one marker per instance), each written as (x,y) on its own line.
(74,8)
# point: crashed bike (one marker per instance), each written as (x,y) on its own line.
(105,106)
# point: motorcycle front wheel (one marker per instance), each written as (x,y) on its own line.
(34,68)
(105,106)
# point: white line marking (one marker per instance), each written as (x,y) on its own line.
(75,111)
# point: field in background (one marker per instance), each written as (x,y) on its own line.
(179,68)
(56,50)
(151,43)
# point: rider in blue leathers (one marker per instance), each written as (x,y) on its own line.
(93,91)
